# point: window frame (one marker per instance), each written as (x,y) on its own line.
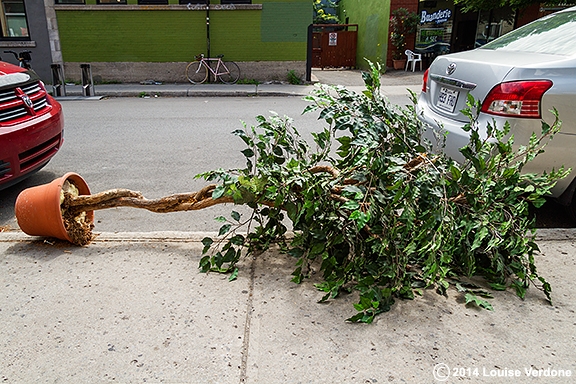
(111,2)
(66,2)
(5,26)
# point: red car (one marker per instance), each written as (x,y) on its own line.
(31,124)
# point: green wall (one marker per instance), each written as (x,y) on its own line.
(277,32)
(372,19)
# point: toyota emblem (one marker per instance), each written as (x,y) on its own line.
(451,68)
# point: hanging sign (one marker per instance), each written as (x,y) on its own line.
(437,17)
(332,39)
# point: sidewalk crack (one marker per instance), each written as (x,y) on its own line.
(249,310)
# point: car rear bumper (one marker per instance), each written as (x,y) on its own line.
(560,151)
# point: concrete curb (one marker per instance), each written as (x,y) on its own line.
(544,234)
(186,90)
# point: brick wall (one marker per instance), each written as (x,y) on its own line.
(527,15)
(411,5)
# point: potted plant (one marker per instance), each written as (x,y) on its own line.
(39,210)
(402,23)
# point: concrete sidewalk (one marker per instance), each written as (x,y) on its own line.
(393,83)
(133,307)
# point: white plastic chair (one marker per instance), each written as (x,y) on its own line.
(413,58)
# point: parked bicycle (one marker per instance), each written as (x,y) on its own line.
(226,71)
(24,58)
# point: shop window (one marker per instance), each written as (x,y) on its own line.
(146,2)
(69,1)
(111,1)
(13,19)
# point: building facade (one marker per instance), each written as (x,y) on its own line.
(136,40)
(443,26)
(24,27)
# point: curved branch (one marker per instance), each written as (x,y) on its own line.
(126,198)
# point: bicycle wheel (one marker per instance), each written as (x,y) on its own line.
(196,72)
(232,72)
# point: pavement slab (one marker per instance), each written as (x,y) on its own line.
(133,307)
(293,339)
(117,311)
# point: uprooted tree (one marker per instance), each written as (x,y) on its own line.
(371,206)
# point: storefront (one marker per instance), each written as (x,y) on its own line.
(445,28)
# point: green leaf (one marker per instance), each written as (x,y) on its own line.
(473,299)
(224,229)
(237,240)
(248,153)
(498,286)
(207,242)
(235,215)
(220,219)
(205,264)
(234,275)
(218,192)
(360,218)
(351,204)
(479,237)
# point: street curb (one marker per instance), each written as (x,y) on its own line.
(132,237)
(556,234)
(186,90)
(183,93)
(544,234)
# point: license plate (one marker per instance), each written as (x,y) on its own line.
(447,99)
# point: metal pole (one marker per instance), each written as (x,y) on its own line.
(208,35)
(309,52)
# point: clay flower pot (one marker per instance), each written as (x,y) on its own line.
(399,63)
(38,208)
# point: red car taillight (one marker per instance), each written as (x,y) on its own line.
(516,98)
(425,80)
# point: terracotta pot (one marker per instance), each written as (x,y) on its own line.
(38,208)
(399,64)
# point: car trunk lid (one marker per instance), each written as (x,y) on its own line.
(452,78)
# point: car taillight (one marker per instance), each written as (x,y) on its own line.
(425,80)
(516,98)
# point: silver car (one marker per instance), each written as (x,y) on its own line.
(519,78)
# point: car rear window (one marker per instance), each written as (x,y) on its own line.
(549,35)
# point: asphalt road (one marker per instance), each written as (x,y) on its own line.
(155,146)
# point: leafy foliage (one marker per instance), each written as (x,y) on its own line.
(324,11)
(481,5)
(293,77)
(379,213)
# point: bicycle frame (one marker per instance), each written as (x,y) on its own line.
(206,62)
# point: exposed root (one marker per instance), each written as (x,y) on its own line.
(79,229)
